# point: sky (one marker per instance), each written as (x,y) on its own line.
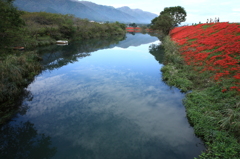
(197,10)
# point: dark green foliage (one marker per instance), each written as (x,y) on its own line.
(153,21)
(177,14)
(41,24)
(164,23)
(215,116)
(58,26)
(16,73)
(169,18)
(133,25)
(10,24)
(121,25)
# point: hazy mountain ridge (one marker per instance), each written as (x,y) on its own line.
(141,15)
(109,12)
(86,9)
(59,6)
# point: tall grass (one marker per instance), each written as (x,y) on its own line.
(16,72)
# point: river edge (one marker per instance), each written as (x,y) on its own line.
(202,104)
(18,71)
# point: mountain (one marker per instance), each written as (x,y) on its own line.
(58,6)
(86,9)
(138,13)
(110,12)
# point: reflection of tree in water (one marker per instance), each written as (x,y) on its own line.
(23,142)
(133,33)
(8,110)
(57,56)
(157,51)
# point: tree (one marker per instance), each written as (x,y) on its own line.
(121,25)
(154,20)
(133,25)
(169,18)
(178,14)
(10,23)
(164,23)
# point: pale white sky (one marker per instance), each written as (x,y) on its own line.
(197,10)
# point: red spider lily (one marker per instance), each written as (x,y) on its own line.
(224,90)
(213,47)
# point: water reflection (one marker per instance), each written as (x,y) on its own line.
(157,51)
(126,114)
(56,56)
(22,141)
(111,105)
(136,39)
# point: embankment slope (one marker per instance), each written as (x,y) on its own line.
(205,60)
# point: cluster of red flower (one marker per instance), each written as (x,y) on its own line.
(213,47)
(132,29)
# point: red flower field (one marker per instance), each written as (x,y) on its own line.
(132,29)
(213,47)
(137,29)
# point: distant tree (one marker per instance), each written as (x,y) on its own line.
(121,25)
(133,25)
(169,18)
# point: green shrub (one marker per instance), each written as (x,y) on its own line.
(16,73)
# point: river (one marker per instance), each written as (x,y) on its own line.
(101,99)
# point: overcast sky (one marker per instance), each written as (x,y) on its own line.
(197,10)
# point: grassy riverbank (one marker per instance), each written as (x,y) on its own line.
(205,60)
(17,71)
(43,28)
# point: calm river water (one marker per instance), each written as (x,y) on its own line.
(101,99)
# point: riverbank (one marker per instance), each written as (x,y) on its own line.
(203,60)
(44,28)
(17,71)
